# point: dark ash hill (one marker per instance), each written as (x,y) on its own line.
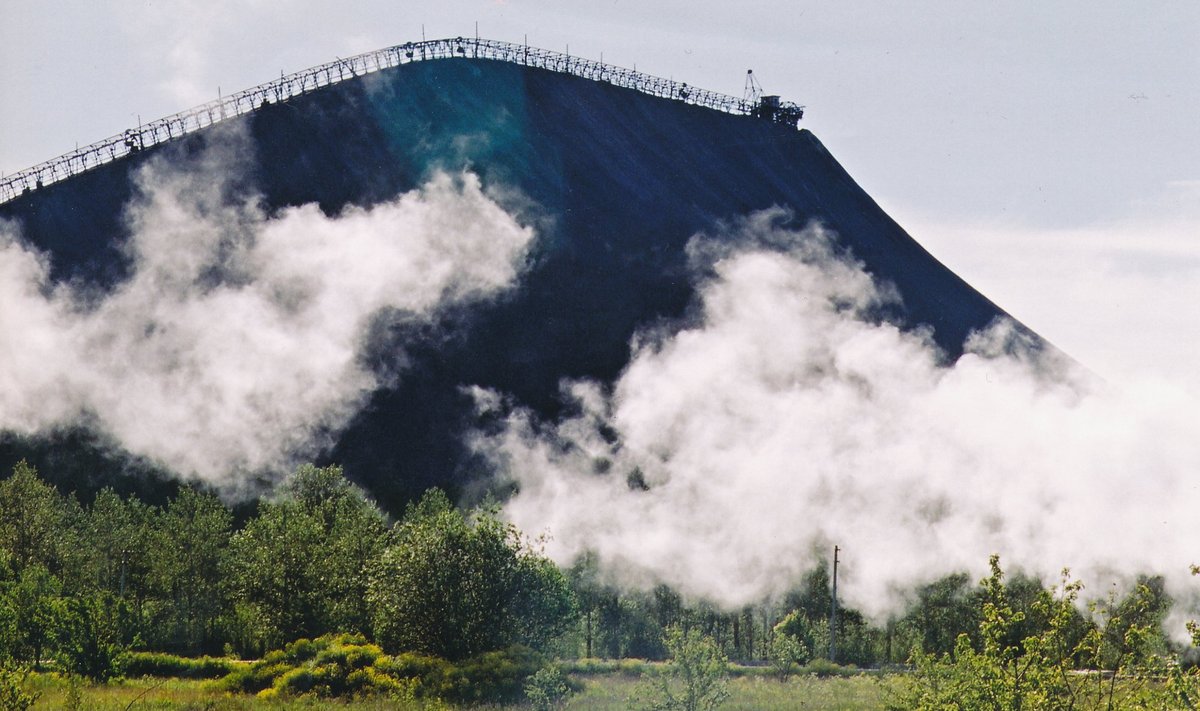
(625,179)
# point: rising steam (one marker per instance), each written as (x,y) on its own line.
(787,416)
(236,343)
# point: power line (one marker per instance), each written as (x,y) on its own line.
(833,608)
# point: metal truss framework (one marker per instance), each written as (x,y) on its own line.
(293,85)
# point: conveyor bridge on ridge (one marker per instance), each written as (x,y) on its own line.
(286,87)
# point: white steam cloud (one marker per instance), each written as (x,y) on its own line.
(784,418)
(235,345)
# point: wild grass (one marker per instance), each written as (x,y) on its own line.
(753,693)
(602,691)
(158,664)
(150,694)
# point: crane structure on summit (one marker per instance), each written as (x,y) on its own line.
(769,106)
(293,85)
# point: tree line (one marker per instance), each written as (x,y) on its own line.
(82,583)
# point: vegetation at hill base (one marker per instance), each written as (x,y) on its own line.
(328,598)
(1044,654)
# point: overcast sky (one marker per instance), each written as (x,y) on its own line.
(1045,151)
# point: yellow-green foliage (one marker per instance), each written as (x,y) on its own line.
(13,694)
(1039,669)
(697,678)
(434,677)
(169,665)
(606,692)
(325,667)
(548,689)
(348,666)
(495,676)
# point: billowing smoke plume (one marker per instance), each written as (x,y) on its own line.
(786,416)
(236,343)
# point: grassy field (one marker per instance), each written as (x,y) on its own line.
(601,692)
(749,693)
(150,694)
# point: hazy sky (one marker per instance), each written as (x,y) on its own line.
(1045,151)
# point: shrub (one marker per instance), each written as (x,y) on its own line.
(547,689)
(169,665)
(791,645)
(495,676)
(346,665)
(459,585)
(322,666)
(632,668)
(696,679)
(1038,668)
(823,668)
(255,677)
(13,696)
(87,638)
(434,676)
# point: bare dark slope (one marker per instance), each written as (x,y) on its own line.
(619,182)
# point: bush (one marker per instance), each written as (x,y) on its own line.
(87,638)
(346,665)
(547,689)
(792,644)
(460,585)
(333,665)
(823,668)
(695,680)
(432,677)
(495,676)
(630,668)
(492,677)
(255,677)
(169,665)
(13,696)
(1038,668)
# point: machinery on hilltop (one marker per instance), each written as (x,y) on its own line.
(769,106)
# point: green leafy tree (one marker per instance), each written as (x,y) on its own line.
(792,643)
(298,569)
(857,641)
(1142,611)
(942,611)
(13,695)
(88,636)
(695,680)
(814,596)
(354,531)
(547,689)
(8,625)
(113,550)
(456,585)
(35,517)
(590,593)
(31,602)
(119,544)
(190,544)
(631,624)
(1039,671)
(1183,684)
(275,572)
(1000,676)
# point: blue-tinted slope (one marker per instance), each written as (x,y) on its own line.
(619,182)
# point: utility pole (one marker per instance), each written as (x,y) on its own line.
(833,611)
